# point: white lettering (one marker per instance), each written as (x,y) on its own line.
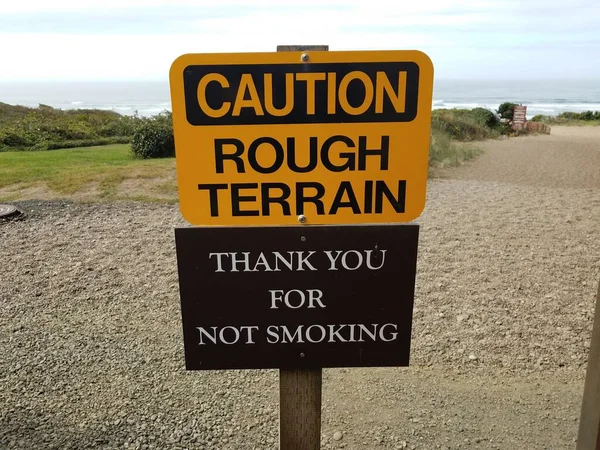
(235,332)
(272,334)
(287,299)
(263,262)
(279,257)
(369,265)
(274,298)
(206,334)
(352,332)
(332,259)
(249,331)
(323,334)
(362,328)
(393,334)
(316,334)
(290,337)
(302,261)
(315,295)
(219,262)
(245,260)
(359,257)
(336,333)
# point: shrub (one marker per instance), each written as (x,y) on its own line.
(154,139)
(569,118)
(10,138)
(88,142)
(506,110)
(45,128)
(445,152)
(540,118)
(485,116)
(459,124)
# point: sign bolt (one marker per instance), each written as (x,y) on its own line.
(304,57)
(302,218)
(302,355)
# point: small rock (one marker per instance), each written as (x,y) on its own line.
(337,436)
(472,357)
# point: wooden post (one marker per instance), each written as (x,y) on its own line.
(301,48)
(300,390)
(589,422)
(300,409)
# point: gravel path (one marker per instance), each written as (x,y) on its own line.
(569,157)
(92,355)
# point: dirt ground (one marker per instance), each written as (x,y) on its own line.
(569,158)
(508,269)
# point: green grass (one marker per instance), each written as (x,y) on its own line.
(74,170)
(454,130)
(569,122)
(111,172)
(447,152)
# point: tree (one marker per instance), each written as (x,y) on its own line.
(506,110)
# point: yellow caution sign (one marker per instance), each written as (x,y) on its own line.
(330,138)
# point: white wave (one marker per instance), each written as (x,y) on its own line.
(566,106)
(459,105)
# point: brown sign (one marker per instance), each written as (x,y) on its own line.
(519,115)
(297,297)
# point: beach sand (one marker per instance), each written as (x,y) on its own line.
(568,158)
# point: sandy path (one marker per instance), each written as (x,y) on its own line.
(569,157)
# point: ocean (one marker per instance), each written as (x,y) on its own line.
(147,98)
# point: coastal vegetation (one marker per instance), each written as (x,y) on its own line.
(47,128)
(506,110)
(139,150)
(570,118)
(454,130)
(153,137)
(101,172)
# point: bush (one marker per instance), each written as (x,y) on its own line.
(541,118)
(587,115)
(88,142)
(46,128)
(154,139)
(445,152)
(10,138)
(485,117)
(570,118)
(460,124)
(506,110)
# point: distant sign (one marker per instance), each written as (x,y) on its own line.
(297,297)
(520,115)
(338,137)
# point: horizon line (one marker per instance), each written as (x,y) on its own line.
(166,80)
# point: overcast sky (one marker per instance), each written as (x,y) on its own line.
(138,39)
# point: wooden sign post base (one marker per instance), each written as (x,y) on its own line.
(300,409)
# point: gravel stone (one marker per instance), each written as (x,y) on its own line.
(92,351)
